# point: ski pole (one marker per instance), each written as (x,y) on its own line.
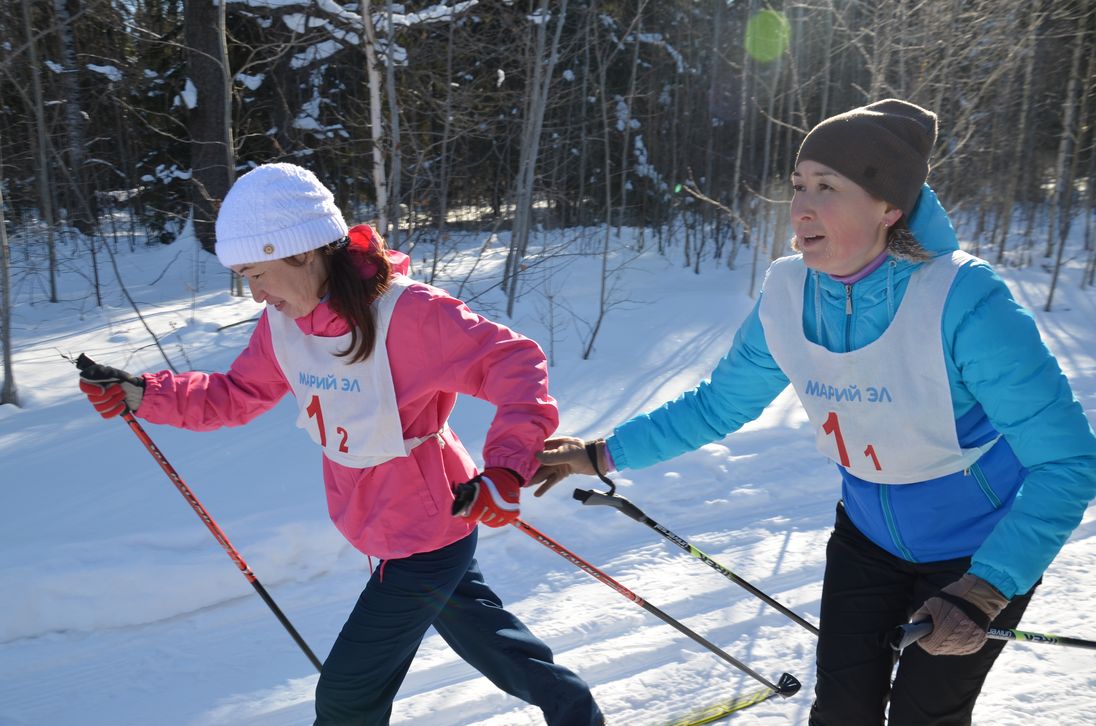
(905,635)
(622,505)
(788,684)
(84,362)
(901,637)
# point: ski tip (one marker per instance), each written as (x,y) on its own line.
(788,685)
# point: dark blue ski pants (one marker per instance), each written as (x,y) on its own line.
(445,589)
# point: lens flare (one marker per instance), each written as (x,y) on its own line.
(767,35)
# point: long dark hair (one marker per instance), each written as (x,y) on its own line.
(351,293)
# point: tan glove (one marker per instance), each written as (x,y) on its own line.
(563,456)
(960,614)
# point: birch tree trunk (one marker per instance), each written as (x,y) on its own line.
(767,150)
(1071,132)
(626,135)
(709,150)
(376,124)
(530,145)
(583,102)
(1008,199)
(444,170)
(603,286)
(827,66)
(743,110)
(1059,201)
(881,50)
(1089,275)
(948,19)
(395,149)
(8,393)
(41,151)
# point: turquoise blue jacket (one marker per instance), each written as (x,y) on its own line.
(1014,509)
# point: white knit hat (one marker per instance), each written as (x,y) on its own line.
(276,211)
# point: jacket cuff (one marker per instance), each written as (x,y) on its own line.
(523,467)
(1000,581)
(152,386)
(617,459)
(497,473)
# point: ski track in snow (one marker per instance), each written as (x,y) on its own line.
(120,609)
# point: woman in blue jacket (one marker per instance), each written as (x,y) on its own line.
(965,459)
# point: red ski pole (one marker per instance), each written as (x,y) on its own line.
(787,684)
(82,363)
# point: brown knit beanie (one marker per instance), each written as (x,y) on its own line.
(884,147)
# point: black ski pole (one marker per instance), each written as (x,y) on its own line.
(905,635)
(899,638)
(788,684)
(622,505)
(84,362)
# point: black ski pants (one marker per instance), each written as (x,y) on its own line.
(866,593)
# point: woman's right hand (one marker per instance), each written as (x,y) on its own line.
(110,390)
(563,456)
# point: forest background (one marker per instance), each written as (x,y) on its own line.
(129,120)
(586,172)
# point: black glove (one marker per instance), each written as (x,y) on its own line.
(110,390)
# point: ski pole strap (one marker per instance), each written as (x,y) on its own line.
(905,635)
(972,611)
(592,453)
(463,495)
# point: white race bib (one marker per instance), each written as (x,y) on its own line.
(348,409)
(884,411)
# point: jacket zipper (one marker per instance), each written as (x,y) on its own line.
(848,317)
(983,484)
(884,490)
(892,527)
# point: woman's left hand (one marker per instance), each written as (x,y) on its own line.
(960,614)
(563,456)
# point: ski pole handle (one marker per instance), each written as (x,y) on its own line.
(906,635)
(589,496)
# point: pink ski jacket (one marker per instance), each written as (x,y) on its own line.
(437,348)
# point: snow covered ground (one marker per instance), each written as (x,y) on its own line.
(119,608)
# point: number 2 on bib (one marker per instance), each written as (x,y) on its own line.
(315,411)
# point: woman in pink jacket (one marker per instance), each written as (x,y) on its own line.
(375,362)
